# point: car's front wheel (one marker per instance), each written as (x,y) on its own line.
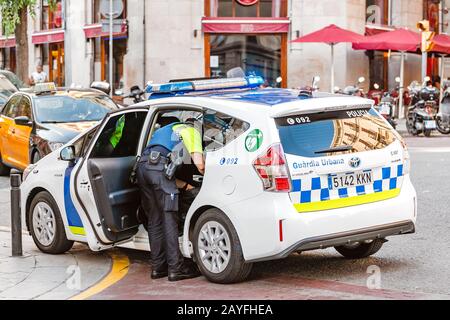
(361,250)
(217,249)
(46,225)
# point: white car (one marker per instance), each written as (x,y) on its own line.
(285,172)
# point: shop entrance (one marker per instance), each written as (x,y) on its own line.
(56,63)
(119,51)
(256,54)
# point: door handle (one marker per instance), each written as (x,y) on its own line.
(84,183)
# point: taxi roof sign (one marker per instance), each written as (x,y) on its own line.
(46,87)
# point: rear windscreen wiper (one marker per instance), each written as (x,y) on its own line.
(335,150)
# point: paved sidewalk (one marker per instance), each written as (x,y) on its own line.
(46,277)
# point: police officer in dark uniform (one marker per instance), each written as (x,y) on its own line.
(160,195)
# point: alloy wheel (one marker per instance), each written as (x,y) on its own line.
(214,247)
(44,223)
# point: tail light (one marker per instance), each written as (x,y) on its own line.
(272,169)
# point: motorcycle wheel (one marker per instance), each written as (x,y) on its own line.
(427,133)
(411,128)
(441,128)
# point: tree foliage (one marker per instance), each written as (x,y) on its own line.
(10,11)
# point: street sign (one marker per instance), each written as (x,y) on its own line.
(117,8)
(117,26)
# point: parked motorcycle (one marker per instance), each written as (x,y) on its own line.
(355,90)
(386,108)
(137,94)
(375,94)
(443,117)
(307,91)
(423,111)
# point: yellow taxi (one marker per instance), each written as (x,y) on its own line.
(34,124)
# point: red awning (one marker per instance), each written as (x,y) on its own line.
(397,40)
(330,35)
(243,25)
(7,43)
(50,36)
(95,31)
(374,29)
(441,44)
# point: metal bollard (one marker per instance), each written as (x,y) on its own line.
(16,219)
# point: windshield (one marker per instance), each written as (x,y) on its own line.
(6,87)
(14,80)
(63,109)
(334,133)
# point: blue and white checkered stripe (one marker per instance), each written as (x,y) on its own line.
(319,188)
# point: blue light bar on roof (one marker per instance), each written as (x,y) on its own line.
(205,85)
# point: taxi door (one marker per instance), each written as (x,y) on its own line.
(19,138)
(7,131)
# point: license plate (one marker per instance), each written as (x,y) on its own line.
(385,110)
(351,180)
(430,124)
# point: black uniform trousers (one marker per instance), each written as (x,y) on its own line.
(159,200)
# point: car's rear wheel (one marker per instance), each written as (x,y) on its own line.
(46,225)
(4,169)
(217,249)
(361,250)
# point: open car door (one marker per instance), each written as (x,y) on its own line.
(102,182)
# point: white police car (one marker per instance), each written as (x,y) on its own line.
(285,172)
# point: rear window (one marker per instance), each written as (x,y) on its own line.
(336,132)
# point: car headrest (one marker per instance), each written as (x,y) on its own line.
(165,121)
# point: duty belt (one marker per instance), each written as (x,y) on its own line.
(155,158)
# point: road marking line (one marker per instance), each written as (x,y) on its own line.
(119,269)
(430,150)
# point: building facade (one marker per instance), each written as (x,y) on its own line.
(159,40)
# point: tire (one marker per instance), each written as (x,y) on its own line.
(362,250)
(427,133)
(4,169)
(411,128)
(56,244)
(441,128)
(236,270)
(36,157)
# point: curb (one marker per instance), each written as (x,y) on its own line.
(8,230)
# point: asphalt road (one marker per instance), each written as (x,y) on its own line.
(415,266)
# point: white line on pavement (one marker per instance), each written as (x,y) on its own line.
(430,150)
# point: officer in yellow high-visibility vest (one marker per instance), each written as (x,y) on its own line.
(160,195)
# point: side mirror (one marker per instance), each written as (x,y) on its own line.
(68,154)
(23,121)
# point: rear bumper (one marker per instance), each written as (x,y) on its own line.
(271,228)
(339,239)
